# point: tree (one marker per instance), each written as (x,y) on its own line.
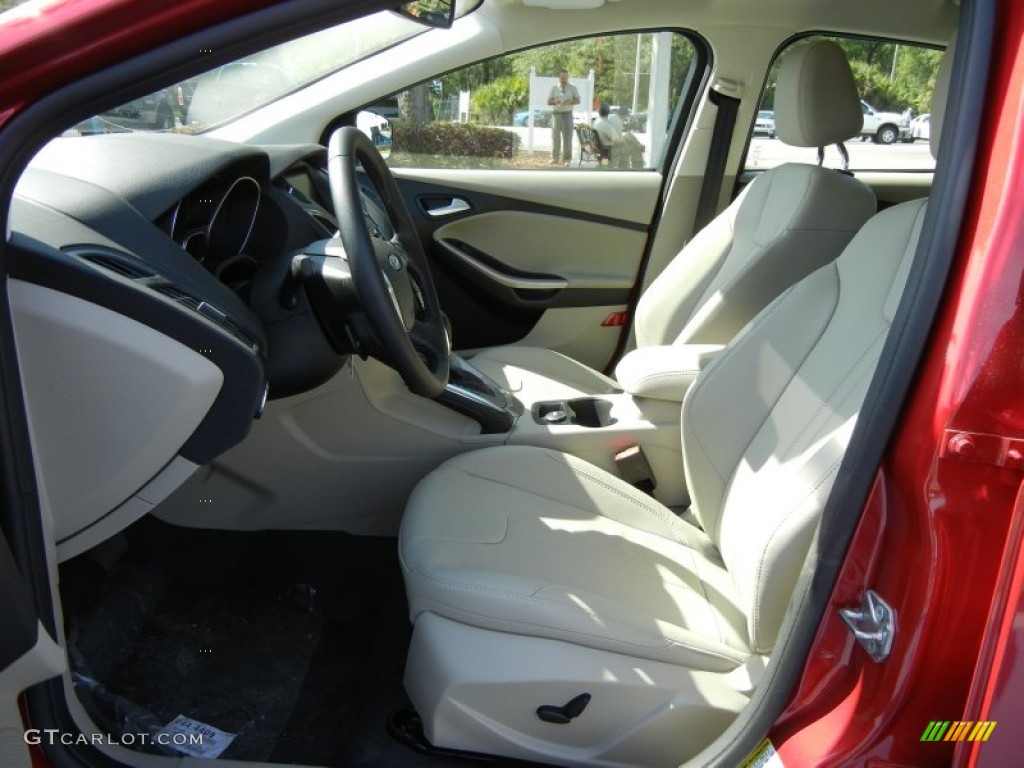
(415,104)
(498,100)
(889,77)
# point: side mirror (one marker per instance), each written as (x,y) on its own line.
(377,128)
(429,13)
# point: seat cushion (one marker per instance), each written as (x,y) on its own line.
(533,541)
(534,374)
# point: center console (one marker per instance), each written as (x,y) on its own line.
(595,428)
(476,395)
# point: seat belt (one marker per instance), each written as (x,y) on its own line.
(718,153)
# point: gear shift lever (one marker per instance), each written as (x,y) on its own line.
(447,331)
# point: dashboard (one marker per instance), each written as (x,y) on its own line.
(191,237)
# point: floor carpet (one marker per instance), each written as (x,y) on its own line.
(294,641)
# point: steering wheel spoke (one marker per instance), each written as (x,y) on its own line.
(392,279)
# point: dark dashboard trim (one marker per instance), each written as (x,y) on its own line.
(240,398)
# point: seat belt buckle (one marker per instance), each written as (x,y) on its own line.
(634,468)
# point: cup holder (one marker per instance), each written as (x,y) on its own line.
(591,412)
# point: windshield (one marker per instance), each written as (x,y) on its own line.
(222,94)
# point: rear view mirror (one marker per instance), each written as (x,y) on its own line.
(430,13)
(377,128)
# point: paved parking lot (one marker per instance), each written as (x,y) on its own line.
(767,153)
(864,155)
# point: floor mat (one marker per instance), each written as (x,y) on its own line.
(293,641)
(233,660)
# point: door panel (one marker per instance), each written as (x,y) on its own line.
(18,633)
(540,258)
(27,656)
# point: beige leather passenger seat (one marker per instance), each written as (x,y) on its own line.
(534,578)
(788,222)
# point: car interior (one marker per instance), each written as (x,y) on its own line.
(345,461)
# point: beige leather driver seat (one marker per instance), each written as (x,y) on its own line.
(565,617)
(787,223)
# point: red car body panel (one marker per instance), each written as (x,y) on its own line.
(940,535)
(934,540)
(999,677)
(63,41)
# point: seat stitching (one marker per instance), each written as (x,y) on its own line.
(716,366)
(784,519)
(669,374)
(707,599)
(633,566)
(841,390)
(534,598)
(660,514)
(768,411)
(752,261)
(665,641)
(532,491)
(711,371)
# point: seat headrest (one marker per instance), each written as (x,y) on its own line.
(939,96)
(816,100)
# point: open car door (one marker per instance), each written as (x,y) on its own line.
(28,655)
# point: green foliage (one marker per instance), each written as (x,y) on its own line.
(499,99)
(893,77)
(456,139)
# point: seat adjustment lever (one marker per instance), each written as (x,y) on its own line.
(549,713)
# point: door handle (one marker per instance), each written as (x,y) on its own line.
(514,282)
(450,208)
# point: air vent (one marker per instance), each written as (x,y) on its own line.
(175,294)
(121,265)
(128,267)
(205,309)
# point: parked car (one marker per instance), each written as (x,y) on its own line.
(261,503)
(883,127)
(764,125)
(541,118)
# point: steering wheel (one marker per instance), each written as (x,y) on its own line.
(391,277)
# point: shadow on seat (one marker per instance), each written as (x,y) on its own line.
(591,148)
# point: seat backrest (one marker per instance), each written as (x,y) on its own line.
(604,150)
(590,145)
(788,222)
(792,385)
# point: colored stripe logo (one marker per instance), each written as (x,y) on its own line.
(960,730)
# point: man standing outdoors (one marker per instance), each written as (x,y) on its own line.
(562,99)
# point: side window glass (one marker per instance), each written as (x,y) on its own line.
(601,103)
(895,83)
